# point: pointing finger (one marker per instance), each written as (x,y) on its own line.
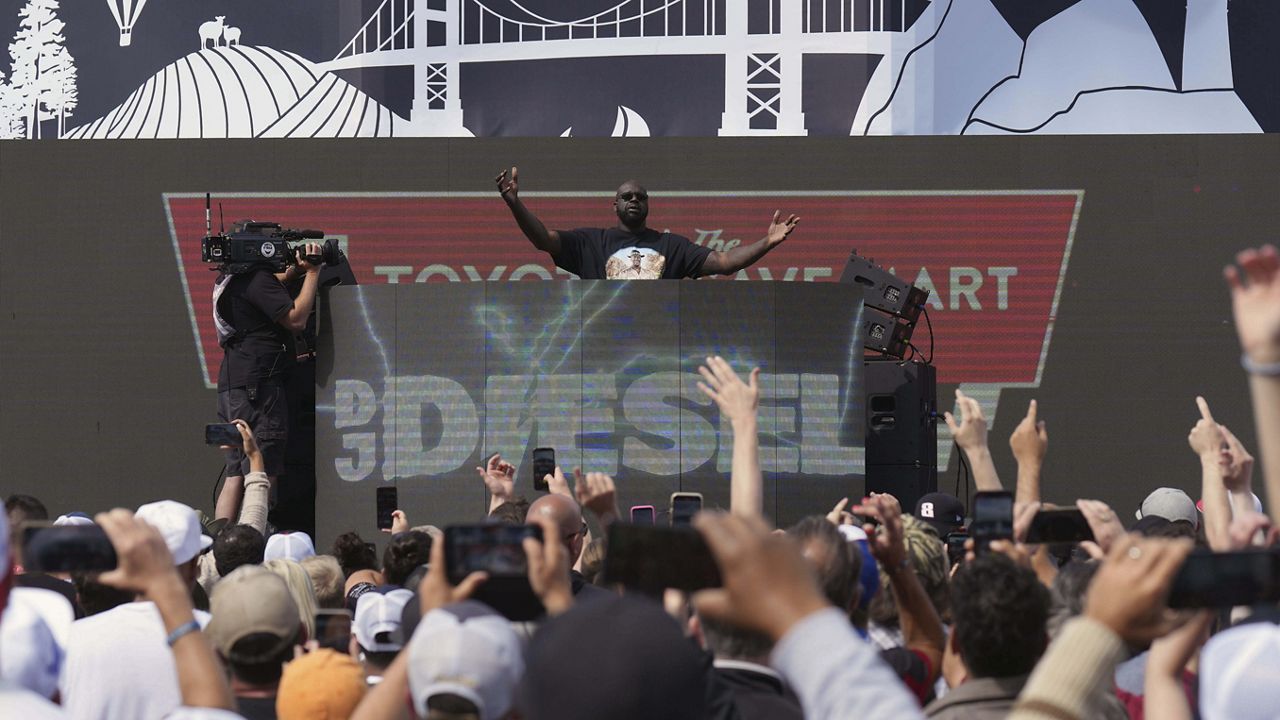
(1204,408)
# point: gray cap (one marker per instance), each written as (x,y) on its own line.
(1171,504)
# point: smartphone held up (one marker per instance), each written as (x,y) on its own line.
(66,548)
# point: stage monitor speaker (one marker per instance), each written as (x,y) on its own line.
(902,435)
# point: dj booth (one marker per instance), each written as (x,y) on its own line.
(418,383)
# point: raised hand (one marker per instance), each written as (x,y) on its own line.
(886,534)
(768,585)
(1030,440)
(1102,520)
(738,401)
(597,492)
(499,478)
(779,229)
(838,515)
(1255,302)
(143,560)
(1128,593)
(508,184)
(1206,438)
(435,590)
(1237,464)
(971,432)
(558,485)
(549,567)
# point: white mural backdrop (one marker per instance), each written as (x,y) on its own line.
(396,68)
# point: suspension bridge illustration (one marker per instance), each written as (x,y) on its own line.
(763,43)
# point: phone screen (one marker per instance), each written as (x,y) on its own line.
(499,551)
(1059,525)
(67,548)
(544,464)
(643,515)
(683,507)
(955,546)
(992,518)
(333,629)
(222,434)
(388,503)
(1244,577)
(652,559)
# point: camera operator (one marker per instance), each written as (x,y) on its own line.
(257,318)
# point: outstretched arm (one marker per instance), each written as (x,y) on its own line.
(1255,302)
(971,435)
(738,402)
(1029,442)
(1207,441)
(727,262)
(545,240)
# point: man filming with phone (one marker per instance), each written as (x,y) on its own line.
(257,317)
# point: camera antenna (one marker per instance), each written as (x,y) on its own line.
(222,222)
(208,226)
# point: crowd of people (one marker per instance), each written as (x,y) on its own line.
(859,611)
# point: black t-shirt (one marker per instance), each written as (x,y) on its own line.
(613,254)
(253,303)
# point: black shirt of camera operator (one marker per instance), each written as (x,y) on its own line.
(260,348)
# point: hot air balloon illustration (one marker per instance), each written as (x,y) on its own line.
(126,13)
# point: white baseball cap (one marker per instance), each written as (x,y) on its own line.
(295,546)
(179,526)
(379,615)
(1238,672)
(468,650)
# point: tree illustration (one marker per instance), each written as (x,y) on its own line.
(11,126)
(43,76)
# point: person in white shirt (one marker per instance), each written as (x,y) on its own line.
(118,663)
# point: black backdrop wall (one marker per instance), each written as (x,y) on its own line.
(103,396)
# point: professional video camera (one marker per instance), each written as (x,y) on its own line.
(265,245)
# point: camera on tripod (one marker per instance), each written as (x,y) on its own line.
(265,245)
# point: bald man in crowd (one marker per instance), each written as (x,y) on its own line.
(567,516)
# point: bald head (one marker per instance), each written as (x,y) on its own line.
(567,516)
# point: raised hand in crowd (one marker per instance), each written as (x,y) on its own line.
(557,484)
(768,587)
(1210,445)
(499,477)
(1237,473)
(1029,442)
(436,591)
(739,403)
(549,567)
(1124,607)
(1163,694)
(970,434)
(1128,593)
(1104,523)
(1251,529)
(597,492)
(839,516)
(1255,304)
(922,629)
(145,566)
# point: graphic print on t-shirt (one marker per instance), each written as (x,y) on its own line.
(633,263)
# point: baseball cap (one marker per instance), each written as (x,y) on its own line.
(941,511)
(251,600)
(294,546)
(1237,673)
(321,685)
(465,649)
(377,620)
(34,633)
(178,525)
(1170,504)
(73,518)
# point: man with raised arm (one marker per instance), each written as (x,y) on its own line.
(632,250)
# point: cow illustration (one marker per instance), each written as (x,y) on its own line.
(231,35)
(211,31)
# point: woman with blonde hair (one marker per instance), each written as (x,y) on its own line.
(300,588)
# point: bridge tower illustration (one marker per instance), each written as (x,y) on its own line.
(763,43)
